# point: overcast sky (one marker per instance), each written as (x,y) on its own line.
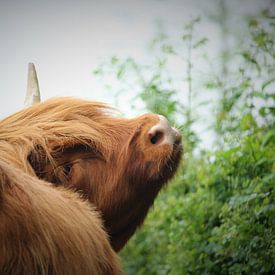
(67,39)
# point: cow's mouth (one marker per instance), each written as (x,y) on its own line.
(121,228)
(172,162)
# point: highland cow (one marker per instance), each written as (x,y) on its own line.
(64,146)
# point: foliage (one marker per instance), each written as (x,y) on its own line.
(222,224)
(218,214)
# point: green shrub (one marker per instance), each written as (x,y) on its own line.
(218,214)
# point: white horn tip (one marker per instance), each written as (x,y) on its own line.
(33,93)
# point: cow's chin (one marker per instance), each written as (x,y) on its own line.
(130,218)
(169,166)
(173,162)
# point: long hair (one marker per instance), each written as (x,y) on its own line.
(45,229)
(118,164)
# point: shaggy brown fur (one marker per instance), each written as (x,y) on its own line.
(44,230)
(110,161)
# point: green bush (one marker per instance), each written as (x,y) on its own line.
(218,214)
(225,226)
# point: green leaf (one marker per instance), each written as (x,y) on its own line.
(267,83)
(263,111)
(261,38)
(200,43)
(114,60)
(258,94)
(253,23)
(272,110)
(247,122)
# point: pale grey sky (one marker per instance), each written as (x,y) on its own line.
(67,39)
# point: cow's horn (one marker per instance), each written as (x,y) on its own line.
(33,93)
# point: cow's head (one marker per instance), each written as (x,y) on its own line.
(118,164)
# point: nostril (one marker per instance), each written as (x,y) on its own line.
(163,133)
(156,137)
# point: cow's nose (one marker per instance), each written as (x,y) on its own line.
(163,133)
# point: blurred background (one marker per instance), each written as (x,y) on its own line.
(209,66)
